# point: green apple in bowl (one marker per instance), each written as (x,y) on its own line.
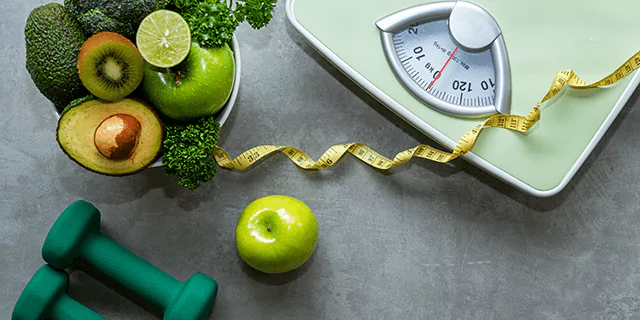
(199,86)
(276,234)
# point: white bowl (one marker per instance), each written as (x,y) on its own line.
(223,114)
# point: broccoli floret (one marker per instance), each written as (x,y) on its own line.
(122,16)
(94,21)
(188,151)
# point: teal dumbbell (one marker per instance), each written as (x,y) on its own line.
(45,297)
(75,236)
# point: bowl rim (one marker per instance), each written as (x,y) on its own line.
(225,111)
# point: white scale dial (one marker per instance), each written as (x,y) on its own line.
(443,69)
(451,56)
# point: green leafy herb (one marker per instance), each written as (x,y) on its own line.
(257,13)
(213,22)
(188,151)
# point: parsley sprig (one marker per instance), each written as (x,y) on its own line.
(213,22)
(188,151)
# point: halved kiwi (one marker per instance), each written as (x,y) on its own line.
(110,66)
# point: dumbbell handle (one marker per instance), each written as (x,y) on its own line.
(65,308)
(130,271)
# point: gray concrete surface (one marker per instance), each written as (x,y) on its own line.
(426,241)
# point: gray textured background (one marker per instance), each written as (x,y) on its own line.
(426,241)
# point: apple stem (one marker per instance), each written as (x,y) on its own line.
(268,227)
(178,82)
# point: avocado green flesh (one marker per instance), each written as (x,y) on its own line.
(53,39)
(76,129)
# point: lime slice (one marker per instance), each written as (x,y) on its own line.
(163,38)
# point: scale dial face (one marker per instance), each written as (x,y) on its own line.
(443,69)
(451,56)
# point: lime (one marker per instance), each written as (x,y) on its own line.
(163,38)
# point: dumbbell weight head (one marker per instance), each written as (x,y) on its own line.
(78,222)
(45,287)
(195,299)
(45,297)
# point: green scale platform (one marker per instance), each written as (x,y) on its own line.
(542,37)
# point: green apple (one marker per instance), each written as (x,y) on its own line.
(199,86)
(276,234)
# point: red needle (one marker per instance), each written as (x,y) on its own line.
(441,70)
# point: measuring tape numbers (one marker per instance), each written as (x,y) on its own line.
(465,144)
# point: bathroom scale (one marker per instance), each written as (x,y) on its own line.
(445,66)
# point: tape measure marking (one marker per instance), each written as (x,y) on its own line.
(465,144)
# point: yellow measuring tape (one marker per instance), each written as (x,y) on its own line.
(464,145)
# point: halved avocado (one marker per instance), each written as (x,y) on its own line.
(112,138)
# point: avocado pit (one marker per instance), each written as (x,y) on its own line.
(117,136)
